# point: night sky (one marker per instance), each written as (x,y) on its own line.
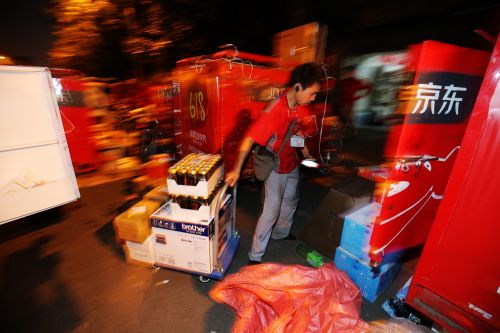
(358,26)
(25,30)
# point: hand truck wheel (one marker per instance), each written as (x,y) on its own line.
(204,279)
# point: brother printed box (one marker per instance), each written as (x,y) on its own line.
(189,245)
(180,244)
(371,283)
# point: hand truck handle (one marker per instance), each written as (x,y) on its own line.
(220,199)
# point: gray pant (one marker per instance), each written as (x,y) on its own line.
(282,197)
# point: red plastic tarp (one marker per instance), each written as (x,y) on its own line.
(273,297)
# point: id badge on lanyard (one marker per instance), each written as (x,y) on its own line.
(297,141)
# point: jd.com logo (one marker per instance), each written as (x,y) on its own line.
(443,97)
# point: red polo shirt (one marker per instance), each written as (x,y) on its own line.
(271,127)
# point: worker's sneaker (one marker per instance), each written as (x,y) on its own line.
(253,262)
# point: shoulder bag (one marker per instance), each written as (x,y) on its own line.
(265,161)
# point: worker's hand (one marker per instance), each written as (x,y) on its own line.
(232,177)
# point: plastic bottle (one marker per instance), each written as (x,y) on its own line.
(314,258)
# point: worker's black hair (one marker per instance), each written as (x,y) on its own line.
(307,75)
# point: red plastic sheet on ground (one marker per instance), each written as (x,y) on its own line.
(277,298)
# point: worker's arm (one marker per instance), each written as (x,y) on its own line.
(245,147)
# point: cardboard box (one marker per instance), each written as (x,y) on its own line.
(371,283)
(357,231)
(204,212)
(227,220)
(305,43)
(324,229)
(140,253)
(180,244)
(133,224)
(189,245)
(202,188)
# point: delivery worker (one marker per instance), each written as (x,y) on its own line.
(286,112)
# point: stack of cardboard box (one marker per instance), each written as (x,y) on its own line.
(133,228)
(352,256)
(184,228)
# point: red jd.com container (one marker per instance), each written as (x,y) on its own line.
(69,86)
(220,96)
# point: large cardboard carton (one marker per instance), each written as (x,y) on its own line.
(305,43)
(324,229)
(181,244)
(189,245)
(140,253)
(133,224)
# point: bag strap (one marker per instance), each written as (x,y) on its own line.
(287,136)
